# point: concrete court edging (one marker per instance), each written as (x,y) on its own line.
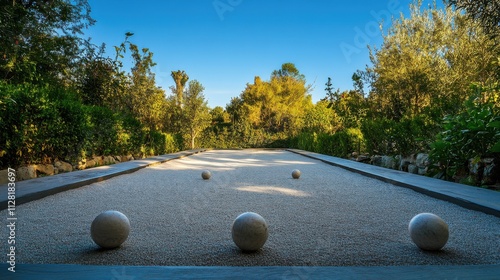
(76,272)
(479,199)
(38,188)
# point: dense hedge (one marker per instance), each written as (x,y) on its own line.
(39,124)
(338,144)
(404,137)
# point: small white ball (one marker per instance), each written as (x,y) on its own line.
(428,231)
(296,174)
(249,231)
(206,175)
(110,229)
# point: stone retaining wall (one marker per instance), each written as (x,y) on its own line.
(486,171)
(56,167)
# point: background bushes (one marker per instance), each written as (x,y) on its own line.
(404,137)
(340,143)
(471,135)
(39,123)
(42,123)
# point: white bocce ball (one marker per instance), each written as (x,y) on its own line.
(428,231)
(206,175)
(249,231)
(296,174)
(110,229)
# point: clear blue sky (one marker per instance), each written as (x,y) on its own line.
(224,44)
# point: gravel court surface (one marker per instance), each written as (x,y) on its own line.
(328,217)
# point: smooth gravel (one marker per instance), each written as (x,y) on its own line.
(328,217)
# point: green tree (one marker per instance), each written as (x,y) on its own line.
(145,99)
(288,70)
(321,119)
(427,62)
(219,115)
(196,113)
(180,79)
(349,107)
(330,93)
(486,11)
(278,105)
(101,81)
(39,40)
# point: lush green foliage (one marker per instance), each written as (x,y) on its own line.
(195,112)
(487,12)
(39,40)
(268,112)
(427,63)
(471,134)
(340,144)
(389,137)
(43,123)
(40,123)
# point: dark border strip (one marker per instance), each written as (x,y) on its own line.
(38,188)
(478,199)
(77,272)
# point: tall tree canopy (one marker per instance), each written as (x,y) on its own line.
(277,105)
(39,40)
(486,11)
(180,79)
(427,63)
(196,113)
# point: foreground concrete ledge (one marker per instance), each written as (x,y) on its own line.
(38,188)
(76,272)
(474,198)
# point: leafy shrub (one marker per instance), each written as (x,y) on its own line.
(102,131)
(40,123)
(161,143)
(11,125)
(471,134)
(404,137)
(338,144)
(131,135)
(376,134)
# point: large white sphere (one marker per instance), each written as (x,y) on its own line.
(296,174)
(110,229)
(249,231)
(206,175)
(428,231)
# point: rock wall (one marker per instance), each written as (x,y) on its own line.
(58,166)
(484,172)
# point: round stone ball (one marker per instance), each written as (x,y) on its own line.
(428,231)
(249,231)
(296,174)
(110,229)
(206,175)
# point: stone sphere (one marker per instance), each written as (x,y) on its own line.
(428,231)
(206,175)
(110,229)
(296,174)
(249,231)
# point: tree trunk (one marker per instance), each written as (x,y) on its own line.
(193,136)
